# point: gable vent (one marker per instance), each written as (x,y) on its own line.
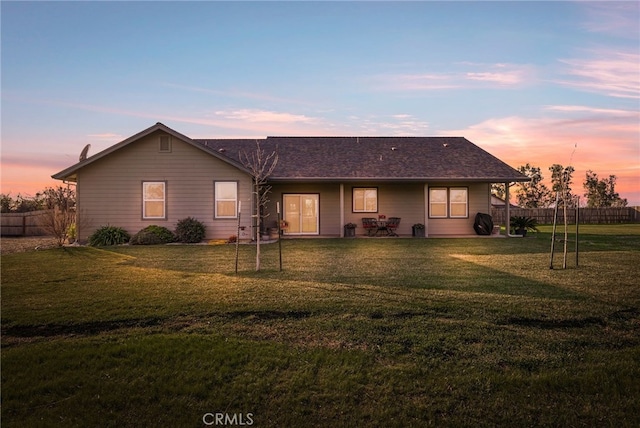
(165,144)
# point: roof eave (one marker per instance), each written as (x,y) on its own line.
(403,179)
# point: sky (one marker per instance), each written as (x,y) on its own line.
(531,82)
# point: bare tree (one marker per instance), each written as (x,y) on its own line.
(60,218)
(261,166)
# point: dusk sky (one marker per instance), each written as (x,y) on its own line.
(537,82)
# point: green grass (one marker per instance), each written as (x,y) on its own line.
(364,332)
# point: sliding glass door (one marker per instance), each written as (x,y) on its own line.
(301,213)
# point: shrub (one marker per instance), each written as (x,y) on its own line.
(153,235)
(190,230)
(109,235)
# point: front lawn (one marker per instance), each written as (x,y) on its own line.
(353,332)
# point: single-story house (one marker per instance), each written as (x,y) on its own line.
(160,176)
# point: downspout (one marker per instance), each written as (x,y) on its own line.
(507,215)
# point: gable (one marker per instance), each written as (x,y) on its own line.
(161,141)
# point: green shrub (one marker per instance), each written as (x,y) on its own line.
(109,235)
(190,230)
(153,235)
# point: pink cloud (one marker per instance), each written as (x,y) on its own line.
(618,18)
(602,140)
(478,75)
(614,74)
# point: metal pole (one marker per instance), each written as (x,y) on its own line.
(577,226)
(553,230)
(566,232)
(238,234)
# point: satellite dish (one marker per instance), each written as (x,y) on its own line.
(83,153)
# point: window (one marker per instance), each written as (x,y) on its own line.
(437,203)
(450,202)
(226,199)
(153,199)
(458,202)
(365,200)
(165,144)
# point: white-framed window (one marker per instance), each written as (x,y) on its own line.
(438,202)
(448,202)
(154,198)
(365,200)
(459,202)
(226,199)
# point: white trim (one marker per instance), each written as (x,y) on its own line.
(145,200)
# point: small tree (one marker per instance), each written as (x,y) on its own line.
(60,218)
(561,179)
(601,192)
(533,194)
(261,166)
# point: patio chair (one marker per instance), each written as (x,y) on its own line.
(392,225)
(370,225)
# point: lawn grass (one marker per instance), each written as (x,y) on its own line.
(353,332)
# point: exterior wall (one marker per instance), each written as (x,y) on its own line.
(404,200)
(479,201)
(329,204)
(109,191)
(409,201)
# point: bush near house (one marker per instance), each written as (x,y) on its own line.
(109,235)
(153,235)
(190,230)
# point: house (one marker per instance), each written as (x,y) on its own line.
(160,176)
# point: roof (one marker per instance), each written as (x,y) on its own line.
(347,158)
(69,173)
(379,158)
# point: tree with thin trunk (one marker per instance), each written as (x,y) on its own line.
(561,179)
(261,166)
(60,218)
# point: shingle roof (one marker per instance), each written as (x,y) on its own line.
(388,158)
(348,158)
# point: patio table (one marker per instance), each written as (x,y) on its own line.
(382,227)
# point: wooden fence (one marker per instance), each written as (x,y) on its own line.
(586,215)
(23,224)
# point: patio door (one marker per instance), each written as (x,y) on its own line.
(301,212)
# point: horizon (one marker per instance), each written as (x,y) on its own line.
(530,82)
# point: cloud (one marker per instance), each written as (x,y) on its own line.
(106,136)
(234,93)
(619,19)
(603,140)
(472,75)
(253,115)
(610,73)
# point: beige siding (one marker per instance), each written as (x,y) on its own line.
(394,200)
(110,189)
(329,204)
(405,200)
(479,201)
